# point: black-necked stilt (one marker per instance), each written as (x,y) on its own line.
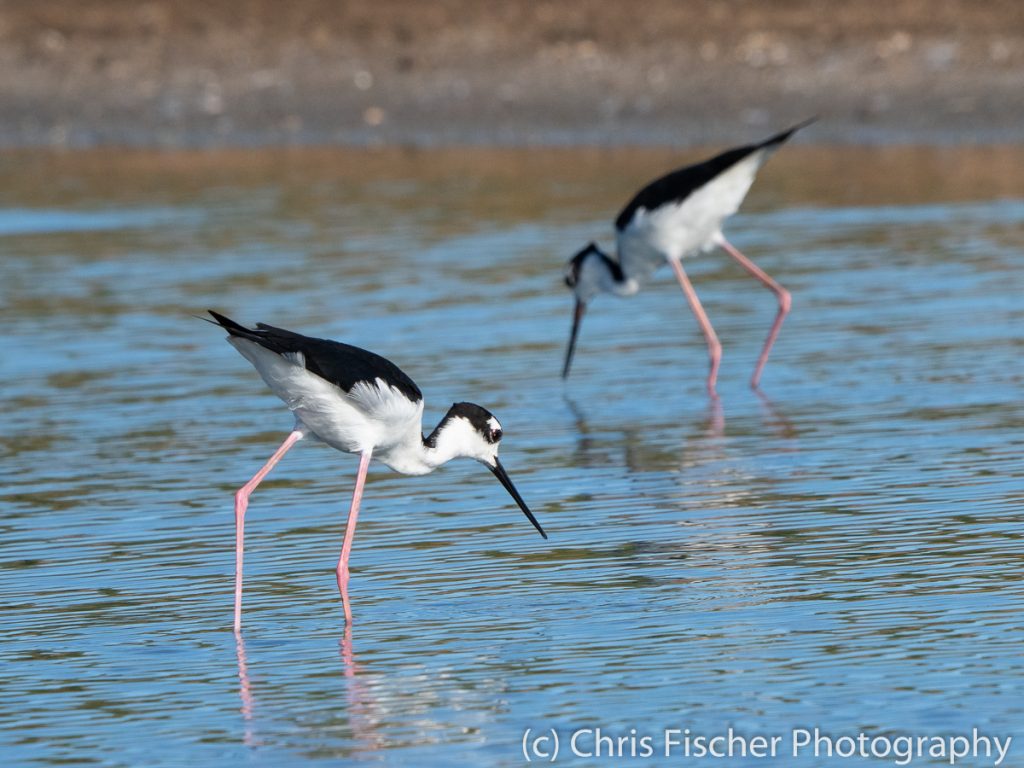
(357,402)
(672,217)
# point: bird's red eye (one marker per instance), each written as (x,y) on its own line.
(495,435)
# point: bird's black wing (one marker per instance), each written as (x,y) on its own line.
(341,364)
(676,186)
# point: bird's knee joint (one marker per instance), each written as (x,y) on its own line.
(785,300)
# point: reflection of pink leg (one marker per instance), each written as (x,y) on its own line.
(348,659)
(350,533)
(714,347)
(364,716)
(778,422)
(244,689)
(785,302)
(716,418)
(241,502)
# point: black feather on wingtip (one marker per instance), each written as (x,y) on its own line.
(341,364)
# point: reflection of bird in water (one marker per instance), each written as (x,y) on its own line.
(775,418)
(675,216)
(711,427)
(245,691)
(357,402)
(699,445)
(361,708)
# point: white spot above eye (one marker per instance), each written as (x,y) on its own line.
(493,424)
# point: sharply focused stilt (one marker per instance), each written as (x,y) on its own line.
(357,402)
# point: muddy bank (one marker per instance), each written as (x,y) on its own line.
(677,72)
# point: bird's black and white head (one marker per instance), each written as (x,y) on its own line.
(588,273)
(472,432)
(469,431)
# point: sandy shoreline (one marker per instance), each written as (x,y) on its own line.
(691,72)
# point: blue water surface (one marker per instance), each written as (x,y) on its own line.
(842,552)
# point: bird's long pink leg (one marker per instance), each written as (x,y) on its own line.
(350,533)
(714,347)
(785,302)
(241,502)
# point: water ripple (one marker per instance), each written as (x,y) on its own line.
(846,552)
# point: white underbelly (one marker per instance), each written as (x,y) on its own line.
(643,250)
(344,435)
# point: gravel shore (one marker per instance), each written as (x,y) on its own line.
(602,72)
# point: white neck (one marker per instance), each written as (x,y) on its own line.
(625,287)
(596,276)
(456,439)
(413,458)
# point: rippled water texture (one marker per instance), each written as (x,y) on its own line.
(845,553)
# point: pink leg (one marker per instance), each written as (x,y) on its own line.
(785,302)
(714,347)
(241,502)
(350,533)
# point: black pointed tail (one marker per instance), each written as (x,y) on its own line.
(783,136)
(229,325)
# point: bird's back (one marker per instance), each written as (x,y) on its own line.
(681,212)
(349,397)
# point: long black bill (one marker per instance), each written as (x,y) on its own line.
(577,317)
(502,475)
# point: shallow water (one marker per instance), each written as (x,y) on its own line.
(844,553)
